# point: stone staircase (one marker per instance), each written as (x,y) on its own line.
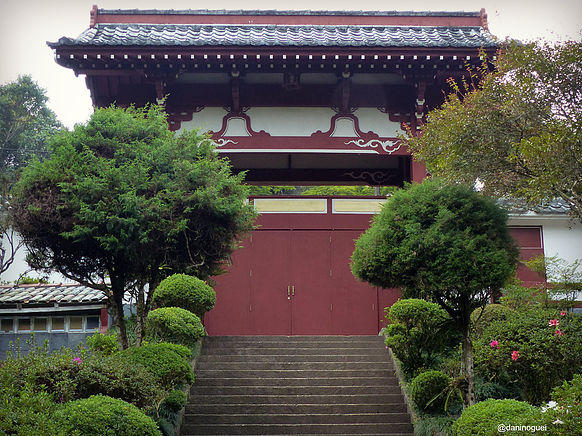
(299,385)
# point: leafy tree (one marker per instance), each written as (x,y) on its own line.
(122,202)
(519,131)
(25,124)
(347,190)
(445,242)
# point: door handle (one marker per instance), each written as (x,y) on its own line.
(288,292)
(293,290)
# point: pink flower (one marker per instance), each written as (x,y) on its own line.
(563,313)
(515,355)
(494,344)
(78,360)
(558,332)
(554,322)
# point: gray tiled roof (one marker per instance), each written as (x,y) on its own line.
(50,294)
(276,12)
(514,206)
(280,36)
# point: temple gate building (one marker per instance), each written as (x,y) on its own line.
(297,98)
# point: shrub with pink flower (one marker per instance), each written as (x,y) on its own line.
(494,344)
(558,332)
(554,322)
(563,313)
(78,360)
(515,355)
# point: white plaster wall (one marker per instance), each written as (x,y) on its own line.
(290,121)
(209,118)
(371,119)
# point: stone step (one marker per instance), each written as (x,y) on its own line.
(296,429)
(293,390)
(291,339)
(283,418)
(327,366)
(298,399)
(278,409)
(377,357)
(314,351)
(293,373)
(276,381)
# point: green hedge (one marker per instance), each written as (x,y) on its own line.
(173,324)
(484,419)
(430,391)
(102,415)
(169,367)
(187,292)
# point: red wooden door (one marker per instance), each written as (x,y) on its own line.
(311,299)
(270,275)
(355,303)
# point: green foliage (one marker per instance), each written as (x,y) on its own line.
(430,390)
(548,354)
(181,350)
(175,400)
(482,317)
(173,324)
(187,292)
(566,408)
(25,124)
(483,419)
(353,190)
(26,280)
(67,375)
(519,131)
(417,332)
(102,415)
(431,425)
(123,198)
(269,190)
(444,240)
(169,367)
(105,344)
(27,412)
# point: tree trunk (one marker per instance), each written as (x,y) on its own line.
(115,298)
(467,369)
(140,309)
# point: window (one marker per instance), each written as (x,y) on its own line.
(24,324)
(76,323)
(92,322)
(7,325)
(58,324)
(40,324)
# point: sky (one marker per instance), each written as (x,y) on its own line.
(26,25)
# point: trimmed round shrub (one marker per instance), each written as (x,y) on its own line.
(181,350)
(187,292)
(429,390)
(102,415)
(483,419)
(173,324)
(417,333)
(175,400)
(105,344)
(481,318)
(169,367)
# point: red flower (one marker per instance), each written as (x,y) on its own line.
(558,332)
(494,344)
(515,355)
(554,322)
(563,313)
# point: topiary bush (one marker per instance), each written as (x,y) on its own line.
(417,333)
(484,419)
(102,415)
(430,391)
(175,400)
(169,367)
(173,324)
(482,317)
(536,350)
(187,292)
(105,344)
